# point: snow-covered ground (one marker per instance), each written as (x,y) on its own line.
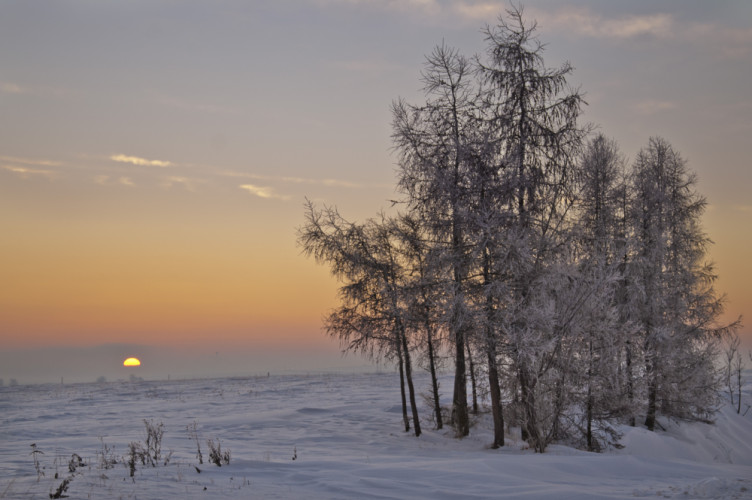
(345,434)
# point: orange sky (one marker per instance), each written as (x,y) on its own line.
(115,269)
(151,181)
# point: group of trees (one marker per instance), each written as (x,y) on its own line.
(568,287)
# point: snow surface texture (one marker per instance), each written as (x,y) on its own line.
(345,435)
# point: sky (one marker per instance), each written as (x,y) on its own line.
(155,156)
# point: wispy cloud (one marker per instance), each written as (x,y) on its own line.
(302,180)
(421,6)
(12,88)
(580,21)
(584,22)
(27,172)
(106,180)
(573,21)
(189,184)
(135,160)
(728,41)
(197,107)
(746,209)
(652,106)
(478,11)
(263,192)
(370,67)
(30,161)
(29,167)
(36,90)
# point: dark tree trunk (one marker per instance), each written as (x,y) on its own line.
(630,385)
(652,393)
(434,380)
(531,418)
(652,377)
(472,380)
(409,374)
(495,390)
(589,418)
(405,418)
(650,418)
(460,416)
(590,400)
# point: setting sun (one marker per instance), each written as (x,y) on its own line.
(132,362)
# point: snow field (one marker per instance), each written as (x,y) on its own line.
(345,432)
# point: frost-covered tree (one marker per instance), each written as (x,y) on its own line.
(577,289)
(600,208)
(434,143)
(605,331)
(533,113)
(679,309)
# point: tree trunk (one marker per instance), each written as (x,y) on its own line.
(461,418)
(472,380)
(493,372)
(409,374)
(652,376)
(590,399)
(652,393)
(531,417)
(739,385)
(495,390)
(630,385)
(405,418)
(589,417)
(434,380)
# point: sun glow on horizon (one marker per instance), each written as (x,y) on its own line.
(132,362)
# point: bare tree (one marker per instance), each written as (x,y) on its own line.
(434,142)
(422,294)
(372,317)
(733,370)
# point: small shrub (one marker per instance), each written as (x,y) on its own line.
(192,429)
(106,458)
(75,462)
(154,434)
(216,455)
(136,453)
(60,492)
(34,452)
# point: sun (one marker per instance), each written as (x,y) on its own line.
(132,362)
